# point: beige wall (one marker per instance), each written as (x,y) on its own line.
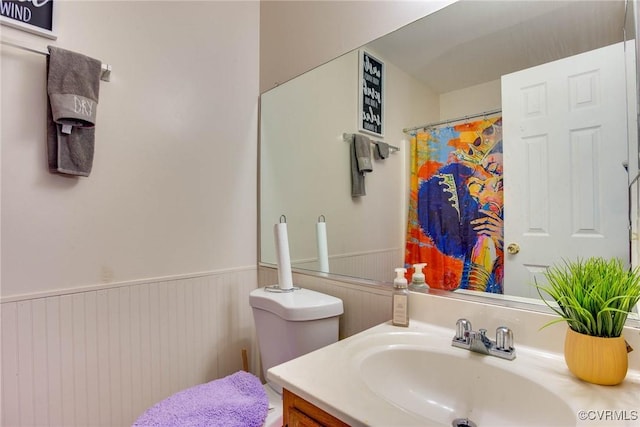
(173,185)
(471,100)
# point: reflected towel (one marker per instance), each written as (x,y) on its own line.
(381,150)
(73,86)
(238,400)
(363,153)
(357,177)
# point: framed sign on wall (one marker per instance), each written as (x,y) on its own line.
(33,16)
(371,98)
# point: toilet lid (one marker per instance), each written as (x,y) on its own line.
(298,305)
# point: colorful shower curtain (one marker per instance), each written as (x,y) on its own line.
(455,222)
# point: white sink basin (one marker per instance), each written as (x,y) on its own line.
(413,377)
(442,387)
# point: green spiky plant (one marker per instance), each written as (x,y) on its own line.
(594,296)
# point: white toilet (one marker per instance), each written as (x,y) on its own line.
(288,325)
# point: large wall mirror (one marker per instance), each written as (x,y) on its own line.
(448,65)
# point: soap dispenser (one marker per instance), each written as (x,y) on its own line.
(400,299)
(417,280)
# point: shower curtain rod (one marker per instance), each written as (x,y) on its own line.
(458,119)
(105,75)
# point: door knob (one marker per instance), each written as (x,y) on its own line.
(513,248)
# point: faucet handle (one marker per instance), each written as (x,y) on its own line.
(504,338)
(463,327)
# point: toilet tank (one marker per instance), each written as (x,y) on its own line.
(290,324)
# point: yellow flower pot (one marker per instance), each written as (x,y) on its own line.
(595,359)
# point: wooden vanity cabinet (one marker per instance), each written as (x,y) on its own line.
(298,412)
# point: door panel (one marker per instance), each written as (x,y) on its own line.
(565,142)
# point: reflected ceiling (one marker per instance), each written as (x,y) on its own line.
(521,34)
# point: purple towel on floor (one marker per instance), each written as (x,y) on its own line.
(234,401)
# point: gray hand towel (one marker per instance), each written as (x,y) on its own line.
(363,153)
(73,86)
(357,177)
(381,150)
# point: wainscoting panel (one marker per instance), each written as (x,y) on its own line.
(374,265)
(364,305)
(102,356)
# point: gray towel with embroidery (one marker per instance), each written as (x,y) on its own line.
(73,86)
(358,163)
(363,153)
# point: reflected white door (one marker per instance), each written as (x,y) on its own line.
(565,186)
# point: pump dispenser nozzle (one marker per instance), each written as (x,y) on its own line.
(417,280)
(400,280)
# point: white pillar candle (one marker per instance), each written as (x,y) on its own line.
(323,251)
(285,278)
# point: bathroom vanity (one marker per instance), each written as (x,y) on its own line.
(299,412)
(413,376)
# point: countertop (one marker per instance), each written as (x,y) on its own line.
(330,379)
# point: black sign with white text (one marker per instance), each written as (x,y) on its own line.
(36,13)
(372,94)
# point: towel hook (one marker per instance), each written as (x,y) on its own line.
(321,218)
(285,219)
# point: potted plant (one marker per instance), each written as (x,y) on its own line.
(594,297)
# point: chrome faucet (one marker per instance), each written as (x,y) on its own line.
(478,341)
